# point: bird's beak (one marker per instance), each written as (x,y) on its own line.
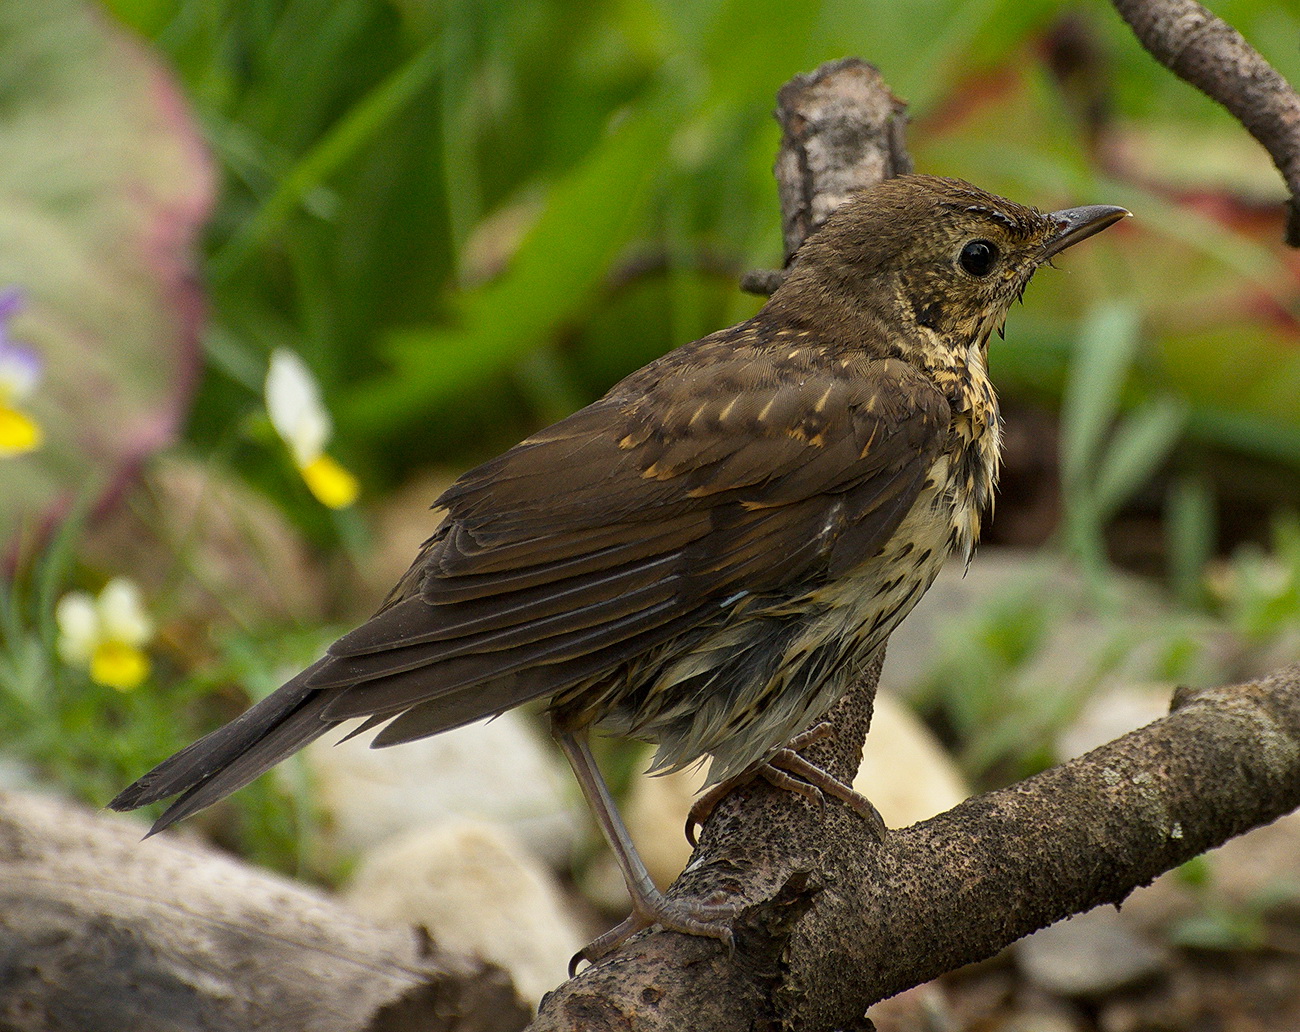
(1075,224)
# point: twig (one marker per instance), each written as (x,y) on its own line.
(1207,52)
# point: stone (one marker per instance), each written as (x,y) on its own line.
(1111,713)
(501,772)
(905,771)
(919,1009)
(1090,955)
(476,892)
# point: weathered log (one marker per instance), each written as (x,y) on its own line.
(101,932)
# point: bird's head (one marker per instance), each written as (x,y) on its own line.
(937,261)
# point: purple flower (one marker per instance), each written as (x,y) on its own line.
(20,366)
(20,371)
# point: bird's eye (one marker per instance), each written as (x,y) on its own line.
(978,256)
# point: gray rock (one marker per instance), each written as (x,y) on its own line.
(500,772)
(1089,955)
(477,893)
(1110,713)
(905,771)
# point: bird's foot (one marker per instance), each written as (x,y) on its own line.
(689,917)
(799,769)
(788,770)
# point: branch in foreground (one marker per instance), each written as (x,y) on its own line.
(835,922)
(1207,52)
(101,932)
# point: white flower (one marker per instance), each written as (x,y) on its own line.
(294,404)
(106,635)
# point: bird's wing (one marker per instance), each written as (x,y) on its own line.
(598,538)
(591,542)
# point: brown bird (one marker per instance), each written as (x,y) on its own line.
(705,557)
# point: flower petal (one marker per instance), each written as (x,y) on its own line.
(20,371)
(121,614)
(78,622)
(11,302)
(115,664)
(330,483)
(293,402)
(19,433)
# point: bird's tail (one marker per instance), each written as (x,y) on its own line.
(233,755)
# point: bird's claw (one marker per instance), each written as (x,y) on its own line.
(690,918)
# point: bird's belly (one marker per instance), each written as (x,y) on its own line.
(751,684)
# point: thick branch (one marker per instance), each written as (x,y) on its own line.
(836,922)
(1211,55)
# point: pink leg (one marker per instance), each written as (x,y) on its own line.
(649,905)
(787,769)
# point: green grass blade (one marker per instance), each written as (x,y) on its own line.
(347,137)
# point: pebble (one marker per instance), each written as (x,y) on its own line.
(500,772)
(1090,955)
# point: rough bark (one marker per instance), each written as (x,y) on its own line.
(1207,52)
(100,932)
(834,922)
(842,131)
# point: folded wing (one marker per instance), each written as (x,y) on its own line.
(596,540)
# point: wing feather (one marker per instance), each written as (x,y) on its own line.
(603,537)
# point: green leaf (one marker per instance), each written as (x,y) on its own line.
(343,141)
(587,220)
(1141,442)
(1190,536)
(1107,343)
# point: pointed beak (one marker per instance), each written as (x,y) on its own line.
(1075,224)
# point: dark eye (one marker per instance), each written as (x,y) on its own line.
(978,256)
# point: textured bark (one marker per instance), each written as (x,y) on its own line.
(1207,52)
(835,922)
(100,932)
(842,131)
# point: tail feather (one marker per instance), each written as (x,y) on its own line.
(301,726)
(250,744)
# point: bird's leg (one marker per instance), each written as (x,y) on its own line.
(649,905)
(703,807)
(787,769)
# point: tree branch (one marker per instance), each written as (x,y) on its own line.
(842,131)
(1211,55)
(835,922)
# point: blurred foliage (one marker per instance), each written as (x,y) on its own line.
(472,218)
(96,243)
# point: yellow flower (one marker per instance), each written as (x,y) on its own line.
(19,433)
(20,370)
(293,402)
(106,635)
